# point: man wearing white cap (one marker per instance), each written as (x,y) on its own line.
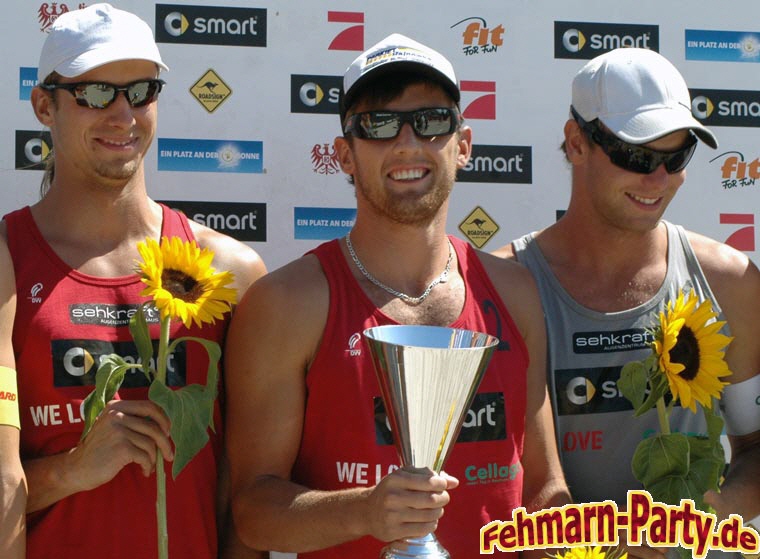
(610,264)
(313,467)
(75,249)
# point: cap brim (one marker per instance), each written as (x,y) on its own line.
(649,125)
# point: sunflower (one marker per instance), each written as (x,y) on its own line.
(690,351)
(179,277)
(589,552)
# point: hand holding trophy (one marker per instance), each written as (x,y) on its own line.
(428,376)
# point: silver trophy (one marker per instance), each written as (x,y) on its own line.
(428,377)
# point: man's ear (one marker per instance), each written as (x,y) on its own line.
(43,105)
(345,155)
(464,143)
(577,145)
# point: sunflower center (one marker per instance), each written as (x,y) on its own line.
(686,352)
(181,286)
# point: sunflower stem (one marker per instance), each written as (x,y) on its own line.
(163,533)
(662,415)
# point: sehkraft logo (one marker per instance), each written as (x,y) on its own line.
(27,79)
(575,39)
(32,147)
(503,164)
(214,156)
(722,46)
(322,223)
(211,25)
(244,221)
(723,107)
(605,342)
(104,314)
(315,94)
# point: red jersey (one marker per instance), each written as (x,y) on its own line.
(65,322)
(346,441)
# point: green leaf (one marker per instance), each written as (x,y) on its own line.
(138,327)
(660,456)
(633,382)
(190,410)
(658,387)
(108,379)
(714,422)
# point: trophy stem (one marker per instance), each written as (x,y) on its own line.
(409,548)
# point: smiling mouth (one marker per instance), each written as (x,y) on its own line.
(118,144)
(645,201)
(408,174)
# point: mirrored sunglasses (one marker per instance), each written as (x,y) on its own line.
(385,125)
(100,95)
(636,158)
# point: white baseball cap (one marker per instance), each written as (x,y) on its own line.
(638,94)
(81,40)
(397,52)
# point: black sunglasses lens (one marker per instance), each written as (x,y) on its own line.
(142,93)
(95,95)
(679,160)
(433,122)
(379,126)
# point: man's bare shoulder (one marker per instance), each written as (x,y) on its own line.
(719,261)
(230,254)
(507,251)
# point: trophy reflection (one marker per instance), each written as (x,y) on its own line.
(428,377)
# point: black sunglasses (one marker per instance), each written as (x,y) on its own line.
(636,158)
(385,125)
(100,95)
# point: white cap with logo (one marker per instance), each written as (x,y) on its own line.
(81,40)
(397,52)
(638,94)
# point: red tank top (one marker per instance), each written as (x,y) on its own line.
(346,442)
(65,321)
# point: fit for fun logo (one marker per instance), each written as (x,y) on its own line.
(736,171)
(477,37)
(586,40)
(352,36)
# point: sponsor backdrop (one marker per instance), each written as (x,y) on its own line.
(249,112)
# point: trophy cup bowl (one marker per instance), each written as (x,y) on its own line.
(428,377)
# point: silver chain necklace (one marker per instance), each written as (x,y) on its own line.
(443,278)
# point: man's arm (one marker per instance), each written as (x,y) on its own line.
(273,338)
(12,480)
(735,281)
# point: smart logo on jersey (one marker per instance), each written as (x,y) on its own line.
(736,171)
(32,148)
(315,94)
(498,164)
(722,107)
(743,237)
(478,99)
(722,46)
(214,156)
(477,38)
(211,25)
(244,221)
(605,342)
(593,390)
(322,223)
(76,361)
(586,40)
(485,420)
(352,37)
(27,79)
